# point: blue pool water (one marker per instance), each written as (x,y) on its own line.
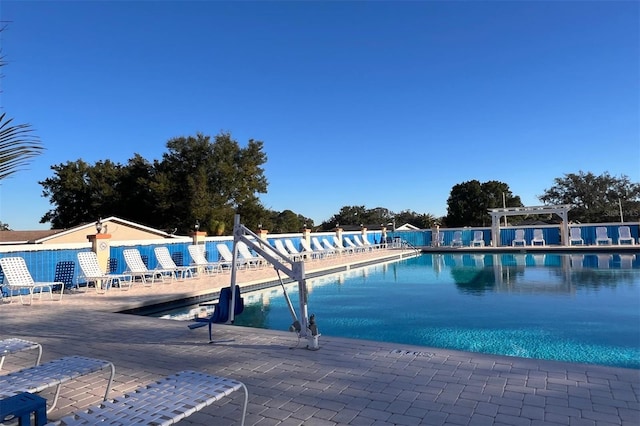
(575,308)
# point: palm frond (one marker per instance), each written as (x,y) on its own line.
(18,145)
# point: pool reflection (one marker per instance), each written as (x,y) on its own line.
(536,272)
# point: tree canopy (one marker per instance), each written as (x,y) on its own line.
(360,215)
(468,202)
(198,179)
(595,198)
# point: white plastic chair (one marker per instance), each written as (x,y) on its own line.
(624,235)
(293,250)
(519,238)
(538,238)
(457,239)
(199,260)
(350,245)
(328,246)
(360,244)
(310,251)
(478,239)
(602,236)
(90,272)
(17,277)
(137,269)
(318,247)
(226,257)
(166,264)
(575,237)
(282,251)
(341,247)
(250,259)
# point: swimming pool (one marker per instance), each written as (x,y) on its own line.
(575,308)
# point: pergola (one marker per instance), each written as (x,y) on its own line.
(496,214)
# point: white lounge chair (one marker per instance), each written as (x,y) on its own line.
(166,264)
(282,251)
(368,244)
(328,246)
(306,248)
(478,239)
(251,259)
(13,345)
(318,247)
(519,238)
(199,260)
(90,272)
(575,237)
(457,239)
(297,254)
(624,235)
(17,278)
(360,244)
(350,245)
(164,402)
(137,269)
(602,236)
(53,373)
(341,247)
(226,257)
(538,238)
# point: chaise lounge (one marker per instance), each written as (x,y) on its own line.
(53,373)
(624,235)
(602,236)
(17,278)
(164,402)
(575,237)
(519,238)
(90,272)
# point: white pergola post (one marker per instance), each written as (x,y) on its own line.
(561,210)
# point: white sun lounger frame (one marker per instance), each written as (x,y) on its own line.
(53,373)
(14,345)
(164,402)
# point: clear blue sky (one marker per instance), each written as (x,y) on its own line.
(381,104)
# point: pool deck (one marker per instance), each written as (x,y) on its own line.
(345,382)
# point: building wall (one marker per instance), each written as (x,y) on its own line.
(118,231)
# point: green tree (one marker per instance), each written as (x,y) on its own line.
(348,215)
(378,216)
(197,179)
(595,198)
(81,192)
(422,221)
(468,202)
(220,178)
(287,221)
(135,187)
